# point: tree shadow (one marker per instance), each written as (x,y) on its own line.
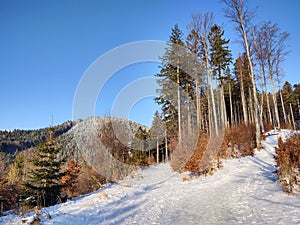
(266,169)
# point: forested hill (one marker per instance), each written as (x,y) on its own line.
(18,140)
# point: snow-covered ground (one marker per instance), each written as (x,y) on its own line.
(245,191)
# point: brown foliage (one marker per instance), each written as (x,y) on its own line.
(88,180)
(69,180)
(288,162)
(268,126)
(193,164)
(238,142)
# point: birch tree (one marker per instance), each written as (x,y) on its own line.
(238,13)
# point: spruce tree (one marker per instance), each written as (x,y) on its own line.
(220,58)
(220,55)
(171,79)
(44,182)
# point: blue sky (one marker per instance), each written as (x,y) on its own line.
(46,46)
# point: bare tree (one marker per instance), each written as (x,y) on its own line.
(201,25)
(238,13)
(260,56)
(240,74)
(272,42)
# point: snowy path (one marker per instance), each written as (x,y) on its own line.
(245,191)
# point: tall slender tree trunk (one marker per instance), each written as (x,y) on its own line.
(251,116)
(283,107)
(166,146)
(198,108)
(257,123)
(243,99)
(292,115)
(157,151)
(261,114)
(178,104)
(274,95)
(213,104)
(269,109)
(231,109)
(223,105)
(267,95)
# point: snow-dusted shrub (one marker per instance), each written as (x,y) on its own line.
(238,142)
(288,162)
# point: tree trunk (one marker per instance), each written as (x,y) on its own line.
(178,104)
(198,108)
(266,93)
(251,116)
(223,105)
(257,123)
(261,114)
(214,111)
(243,100)
(292,115)
(231,109)
(166,146)
(274,95)
(157,151)
(283,107)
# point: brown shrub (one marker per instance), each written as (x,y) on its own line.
(193,164)
(88,180)
(238,142)
(268,126)
(288,162)
(69,180)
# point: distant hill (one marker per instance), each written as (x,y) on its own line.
(75,137)
(18,140)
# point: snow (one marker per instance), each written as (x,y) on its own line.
(244,191)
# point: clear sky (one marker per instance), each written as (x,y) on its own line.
(46,46)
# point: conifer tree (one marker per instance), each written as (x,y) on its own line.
(220,58)
(171,79)
(44,181)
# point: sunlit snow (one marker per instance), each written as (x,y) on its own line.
(244,191)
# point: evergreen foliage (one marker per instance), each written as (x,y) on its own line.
(220,55)
(44,181)
(167,78)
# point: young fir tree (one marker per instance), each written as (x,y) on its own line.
(220,55)
(44,182)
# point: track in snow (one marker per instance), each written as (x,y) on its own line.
(245,191)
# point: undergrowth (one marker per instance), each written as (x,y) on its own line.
(288,163)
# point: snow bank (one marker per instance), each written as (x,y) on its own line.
(245,191)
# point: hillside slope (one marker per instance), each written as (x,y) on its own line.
(245,191)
